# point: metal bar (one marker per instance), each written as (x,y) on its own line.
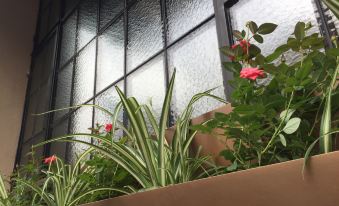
(53,88)
(125,119)
(324,29)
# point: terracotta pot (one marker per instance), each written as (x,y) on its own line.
(279,185)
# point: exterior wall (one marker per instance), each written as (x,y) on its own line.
(17,22)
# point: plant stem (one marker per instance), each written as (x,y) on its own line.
(277,131)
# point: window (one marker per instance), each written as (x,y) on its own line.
(86,47)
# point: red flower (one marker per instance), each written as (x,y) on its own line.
(108,127)
(50,160)
(244,44)
(251,73)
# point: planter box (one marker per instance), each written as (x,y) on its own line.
(279,185)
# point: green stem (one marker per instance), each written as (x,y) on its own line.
(277,131)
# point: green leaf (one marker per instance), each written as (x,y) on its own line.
(254,50)
(277,52)
(234,67)
(258,38)
(227,154)
(260,59)
(333,52)
(226,50)
(288,115)
(299,31)
(252,26)
(292,125)
(282,140)
(233,167)
(267,28)
(237,34)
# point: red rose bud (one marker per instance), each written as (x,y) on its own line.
(108,127)
(251,73)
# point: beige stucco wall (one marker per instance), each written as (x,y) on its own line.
(17,26)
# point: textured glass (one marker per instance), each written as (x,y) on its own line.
(198,65)
(110,55)
(81,121)
(63,90)
(26,152)
(59,148)
(184,15)
(87,28)
(43,106)
(286,14)
(144,32)
(32,105)
(70,4)
(147,84)
(108,100)
(68,39)
(43,65)
(43,23)
(110,9)
(84,75)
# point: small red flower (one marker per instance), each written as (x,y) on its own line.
(50,160)
(108,127)
(244,44)
(251,73)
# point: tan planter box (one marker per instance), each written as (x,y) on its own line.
(274,185)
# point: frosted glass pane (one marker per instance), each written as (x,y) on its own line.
(68,39)
(70,4)
(147,84)
(43,106)
(32,105)
(84,75)
(81,121)
(286,14)
(198,65)
(111,55)
(87,22)
(43,65)
(63,90)
(59,148)
(184,15)
(144,32)
(108,100)
(110,9)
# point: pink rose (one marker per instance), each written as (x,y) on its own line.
(251,73)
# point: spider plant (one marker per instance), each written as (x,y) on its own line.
(4,200)
(333,5)
(150,158)
(64,184)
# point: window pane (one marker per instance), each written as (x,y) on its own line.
(68,39)
(59,148)
(144,32)
(286,14)
(43,106)
(108,100)
(111,55)
(87,22)
(147,84)
(32,105)
(63,90)
(70,4)
(110,9)
(84,75)
(197,61)
(81,121)
(43,65)
(184,15)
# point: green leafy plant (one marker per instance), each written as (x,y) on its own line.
(333,5)
(4,201)
(147,155)
(64,185)
(277,103)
